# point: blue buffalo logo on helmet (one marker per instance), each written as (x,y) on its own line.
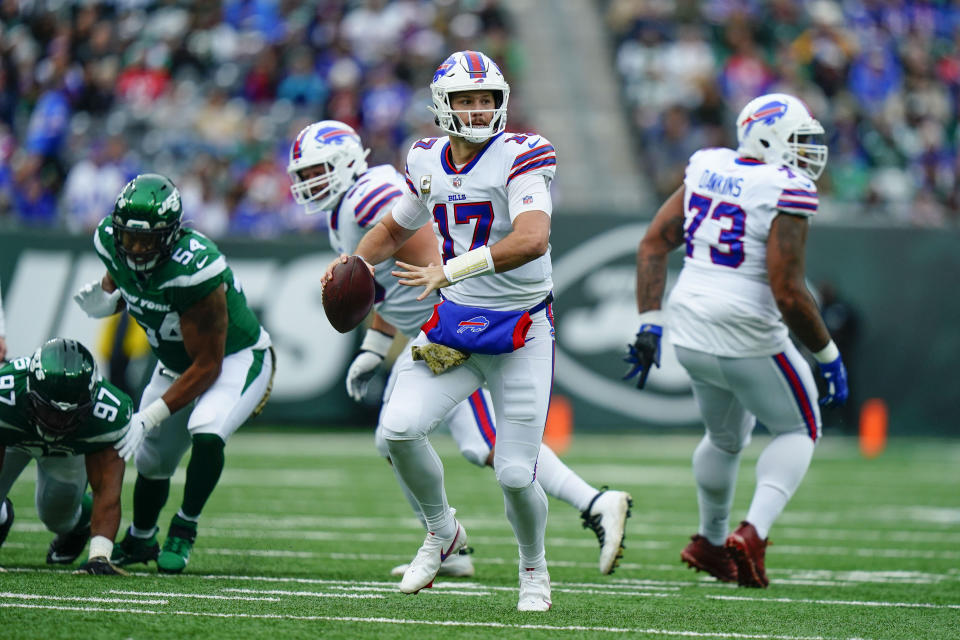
(473,325)
(767,114)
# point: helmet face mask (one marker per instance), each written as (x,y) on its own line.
(778,129)
(469,71)
(146,221)
(61,381)
(325,160)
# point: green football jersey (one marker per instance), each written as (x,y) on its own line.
(112,410)
(156,299)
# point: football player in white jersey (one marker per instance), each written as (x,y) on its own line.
(329,174)
(486,193)
(743,217)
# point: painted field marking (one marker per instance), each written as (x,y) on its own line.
(199,596)
(309,594)
(435,623)
(859,603)
(40,596)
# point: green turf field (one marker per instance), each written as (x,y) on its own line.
(299,539)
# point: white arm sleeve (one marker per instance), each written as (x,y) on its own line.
(529,192)
(410,213)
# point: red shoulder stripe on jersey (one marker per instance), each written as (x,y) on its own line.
(530,166)
(530,155)
(372,213)
(358,210)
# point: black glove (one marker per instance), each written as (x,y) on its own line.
(644,352)
(99,566)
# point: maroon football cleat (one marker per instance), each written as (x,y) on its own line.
(715,560)
(748,551)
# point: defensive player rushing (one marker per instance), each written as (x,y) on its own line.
(213,354)
(329,174)
(487,194)
(743,217)
(56,408)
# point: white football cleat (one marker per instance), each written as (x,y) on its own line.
(458,565)
(534,590)
(607,516)
(426,564)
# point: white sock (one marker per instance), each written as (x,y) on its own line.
(561,482)
(193,519)
(780,469)
(142,533)
(527,513)
(715,471)
(3,512)
(419,466)
(409,496)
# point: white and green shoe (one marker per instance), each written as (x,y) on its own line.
(176,549)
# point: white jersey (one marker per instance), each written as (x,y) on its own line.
(722,303)
(361,207)
(476,204)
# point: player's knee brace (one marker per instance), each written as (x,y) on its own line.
(152,464)
(514,477)
(475,454)
(381,442)
(59,509)
(730,442)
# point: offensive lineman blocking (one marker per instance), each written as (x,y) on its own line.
(743,216)
(329,174)
(487,194)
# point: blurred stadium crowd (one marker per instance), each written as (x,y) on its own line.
(883,76)
(211,93)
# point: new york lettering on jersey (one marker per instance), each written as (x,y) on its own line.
(110,415)
(156,299)
(470,209)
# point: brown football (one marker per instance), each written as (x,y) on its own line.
(348,296)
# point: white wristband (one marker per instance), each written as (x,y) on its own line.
(100,546)
(155,413)
(655,316)
(478,262)
(376,342)
(828,354)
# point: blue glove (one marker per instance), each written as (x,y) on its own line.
(645,351)
(836,376)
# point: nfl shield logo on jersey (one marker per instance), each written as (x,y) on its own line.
(457,181)
(527,199)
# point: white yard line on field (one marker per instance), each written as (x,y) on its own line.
(311,594)
(436,623)
(859,603)
(199,596)
(40,596)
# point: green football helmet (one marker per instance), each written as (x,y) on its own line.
(60,387)
(146,221)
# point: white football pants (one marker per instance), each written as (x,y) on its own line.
(61,482)
(220,410)
(733,393)
(519,385)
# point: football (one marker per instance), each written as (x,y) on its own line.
(348,296)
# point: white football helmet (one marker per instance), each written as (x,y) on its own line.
(777,128)
(469,71)
(337,148)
